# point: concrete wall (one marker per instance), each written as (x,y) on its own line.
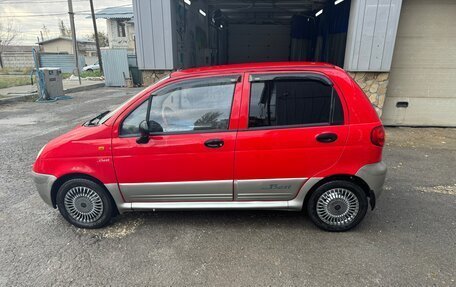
(116,42)
(58,46)
(17,59)
(423,73)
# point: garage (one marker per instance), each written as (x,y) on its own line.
(358,35)
(292,30)
(180,34)
(423,71)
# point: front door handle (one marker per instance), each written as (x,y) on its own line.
(327,137)
(214,143)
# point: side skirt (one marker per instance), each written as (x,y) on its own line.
(295,204)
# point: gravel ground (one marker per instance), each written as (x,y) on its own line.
(409,239)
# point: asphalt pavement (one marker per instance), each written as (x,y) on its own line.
(409,239)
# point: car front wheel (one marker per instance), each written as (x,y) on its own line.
(84,203)
(337,205)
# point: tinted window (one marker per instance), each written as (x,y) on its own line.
(186,107)
(293,102)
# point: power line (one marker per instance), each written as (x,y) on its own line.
(37,2)
(55,14)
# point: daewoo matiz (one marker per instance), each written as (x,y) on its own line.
(283,136)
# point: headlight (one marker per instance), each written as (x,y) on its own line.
(41,150)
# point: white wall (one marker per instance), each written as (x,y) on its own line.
(371,35)
(423,72)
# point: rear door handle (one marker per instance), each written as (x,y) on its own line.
(214,143)
(327,137)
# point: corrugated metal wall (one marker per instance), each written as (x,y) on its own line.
(65,62)
(115,67)
(154,34)
(371,35)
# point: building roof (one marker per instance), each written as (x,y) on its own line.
(67,39)
(115,13)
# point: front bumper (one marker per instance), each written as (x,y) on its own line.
(374,175)
(44,184)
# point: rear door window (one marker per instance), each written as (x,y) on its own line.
(293,100)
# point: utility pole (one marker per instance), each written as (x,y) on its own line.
(42,38)
(97,42)
(73,34)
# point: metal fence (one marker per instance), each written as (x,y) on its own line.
(115,67)
(65,62)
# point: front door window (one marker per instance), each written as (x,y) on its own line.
(193,106)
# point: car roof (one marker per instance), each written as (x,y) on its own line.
(250,67)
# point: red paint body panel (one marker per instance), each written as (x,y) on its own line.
(84,150)
(290,152)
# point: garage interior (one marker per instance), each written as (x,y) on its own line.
(211,32)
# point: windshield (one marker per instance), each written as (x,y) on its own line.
(126,103)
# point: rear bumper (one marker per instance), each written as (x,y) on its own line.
(374,175)
(43,183)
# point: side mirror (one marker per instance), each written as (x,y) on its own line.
(155,127)
(145,129)
(144,133)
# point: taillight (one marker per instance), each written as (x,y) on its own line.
(378,136)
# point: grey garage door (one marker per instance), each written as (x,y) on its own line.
(422,87)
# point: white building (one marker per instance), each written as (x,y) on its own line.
(120,27)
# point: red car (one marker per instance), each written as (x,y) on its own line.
(282,136)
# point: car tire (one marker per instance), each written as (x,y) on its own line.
(89,70)
(84,203)
(337,206)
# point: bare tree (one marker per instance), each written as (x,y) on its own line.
(45,31)
(64,30)
(8,34)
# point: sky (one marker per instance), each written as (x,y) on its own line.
(29,16)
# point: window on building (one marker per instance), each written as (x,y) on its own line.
(121,29)
(283,102)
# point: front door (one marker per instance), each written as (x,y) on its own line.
(293,130)
(193,158)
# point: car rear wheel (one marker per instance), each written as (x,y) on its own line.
(84,203)
(337,206)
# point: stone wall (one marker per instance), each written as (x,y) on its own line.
(374,85)
(151,76)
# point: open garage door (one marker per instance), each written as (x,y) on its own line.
(269,30)
(212,32)
(423,73)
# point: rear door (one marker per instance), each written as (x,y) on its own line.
(292,128)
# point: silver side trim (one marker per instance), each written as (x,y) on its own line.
(294,204)
(43,183)
(216,190)
(114,190)
(374,175)
(267,189)
(210,205)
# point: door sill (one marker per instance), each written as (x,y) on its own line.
(201,205)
